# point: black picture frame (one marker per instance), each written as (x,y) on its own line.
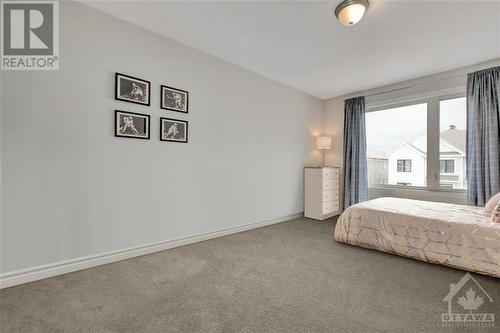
(147,124)
(163,104)
(186,130)
(119,95)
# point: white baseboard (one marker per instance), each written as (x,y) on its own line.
(45,271)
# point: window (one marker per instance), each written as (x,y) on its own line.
(396,146)
(402,151)
(404,166)
(446,166)
(452,143)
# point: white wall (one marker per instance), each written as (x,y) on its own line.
(71,189)
(334,126)
(446,83)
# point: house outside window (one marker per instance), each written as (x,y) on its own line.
(404,165)
(403,141)
(446,166)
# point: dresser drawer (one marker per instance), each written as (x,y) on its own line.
(330,207)
(330,185)
(330,196)
(330,173)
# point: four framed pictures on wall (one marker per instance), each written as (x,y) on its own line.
(137,125)
(173,130)
(132,89)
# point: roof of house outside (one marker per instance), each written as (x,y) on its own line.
(455,137)
(417,149)
(452,137)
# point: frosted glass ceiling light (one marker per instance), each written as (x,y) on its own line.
(350,12)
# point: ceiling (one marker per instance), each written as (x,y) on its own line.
(301,43)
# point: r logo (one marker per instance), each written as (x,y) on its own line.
(30,35)
(28,28)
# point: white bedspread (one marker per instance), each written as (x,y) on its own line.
(453,235)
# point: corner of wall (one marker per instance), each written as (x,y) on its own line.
(333,125)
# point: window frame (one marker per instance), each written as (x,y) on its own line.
(433,137)
(437,184)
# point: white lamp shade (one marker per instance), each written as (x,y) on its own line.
(351,14)
(323,142)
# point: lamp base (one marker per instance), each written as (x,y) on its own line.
(323,159)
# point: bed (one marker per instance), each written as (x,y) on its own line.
(452,235)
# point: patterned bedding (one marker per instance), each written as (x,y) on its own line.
(453,235)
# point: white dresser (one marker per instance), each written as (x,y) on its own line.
(321,192)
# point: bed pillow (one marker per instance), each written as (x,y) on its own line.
(495,214)
(491,204)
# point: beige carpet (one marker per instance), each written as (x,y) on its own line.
(290,277)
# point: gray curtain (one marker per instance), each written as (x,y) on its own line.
(355,171)
(483,131)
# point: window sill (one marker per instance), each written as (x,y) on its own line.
(416,188)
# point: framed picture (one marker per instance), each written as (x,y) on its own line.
(174,99)
(132,125)
(132,89)
(173,130)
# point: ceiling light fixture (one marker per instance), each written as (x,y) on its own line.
(350,12)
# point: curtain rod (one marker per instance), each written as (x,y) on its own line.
(465,71)
(412,86)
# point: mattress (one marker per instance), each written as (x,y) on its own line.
(447,234)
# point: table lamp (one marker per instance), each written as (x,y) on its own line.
(323,143)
